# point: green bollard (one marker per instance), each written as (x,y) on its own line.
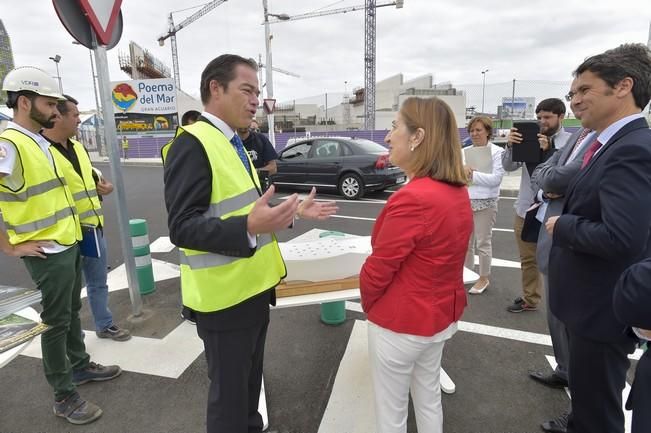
(140,244)
(333,313)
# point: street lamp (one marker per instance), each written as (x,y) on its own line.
(269,65)
(56,59)
(483,88)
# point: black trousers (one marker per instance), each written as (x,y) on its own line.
(235,358)
(597,378)
(640,398)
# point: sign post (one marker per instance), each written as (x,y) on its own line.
(111,140)
(90,22)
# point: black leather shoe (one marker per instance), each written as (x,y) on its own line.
(552,380)
(556,425)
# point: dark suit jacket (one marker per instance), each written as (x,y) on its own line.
(605,228)
(554,175)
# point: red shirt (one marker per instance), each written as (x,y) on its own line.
(412,282)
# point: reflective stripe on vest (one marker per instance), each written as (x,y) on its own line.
(83,188)
(43,207)
(85,194)
(32,191)
(209,260)
(232,204)
(213,282)
(40,224)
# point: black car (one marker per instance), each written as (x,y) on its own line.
(352,166)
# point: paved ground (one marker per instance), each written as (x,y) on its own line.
(314,373)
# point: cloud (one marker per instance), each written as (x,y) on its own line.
(454,41)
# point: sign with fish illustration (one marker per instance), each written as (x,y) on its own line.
(156,96)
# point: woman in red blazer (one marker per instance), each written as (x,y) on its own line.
(412,284)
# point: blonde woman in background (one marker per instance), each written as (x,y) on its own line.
(484,190)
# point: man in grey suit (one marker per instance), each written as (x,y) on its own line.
(548,183)
(550,113)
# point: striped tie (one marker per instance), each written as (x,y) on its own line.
(584,133)
(582,136)
(236,141)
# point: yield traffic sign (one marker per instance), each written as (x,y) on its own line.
(268,106)
(102,15)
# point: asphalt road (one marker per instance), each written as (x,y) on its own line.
(494,394)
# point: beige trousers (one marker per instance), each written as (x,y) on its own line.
(532,281)
(481,240)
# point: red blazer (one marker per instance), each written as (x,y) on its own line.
(412,282)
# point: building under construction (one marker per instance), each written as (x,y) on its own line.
(140,64)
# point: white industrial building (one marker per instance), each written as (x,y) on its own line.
(348,115)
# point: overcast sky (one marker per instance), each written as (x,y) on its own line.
(453,40)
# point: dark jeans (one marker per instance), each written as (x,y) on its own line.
(235,360)
(58,277)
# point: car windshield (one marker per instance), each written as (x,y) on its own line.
(369,146)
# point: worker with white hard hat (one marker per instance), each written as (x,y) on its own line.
(42,227)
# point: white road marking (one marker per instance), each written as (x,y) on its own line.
(166,357)
(501,263)
(504,197)
(502,230)
(117,278)
(137,354)
(509,334)
(350,406)
(627,389)
(353,218)
(491,331)
(354,306)
(302,196)
(496,331)
(162,245)
(140,354)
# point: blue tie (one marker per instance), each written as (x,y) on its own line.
(236,141)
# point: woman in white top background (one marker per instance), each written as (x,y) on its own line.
(484,189)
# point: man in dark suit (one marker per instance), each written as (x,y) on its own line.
(632,302)
(549,183)
(230,261)
(605,227)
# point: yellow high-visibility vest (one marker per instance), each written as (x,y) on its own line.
(43,207)
(83,188)
(212,282)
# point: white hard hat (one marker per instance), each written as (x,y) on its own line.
(31,79)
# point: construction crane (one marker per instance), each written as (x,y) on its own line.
(171,34)
(282,71)
(398,4)
(369,47)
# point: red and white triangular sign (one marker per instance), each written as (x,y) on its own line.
(102,15)
(268,106)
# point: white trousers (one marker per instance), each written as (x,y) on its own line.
(404,363)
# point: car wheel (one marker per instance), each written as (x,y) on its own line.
(351,186)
